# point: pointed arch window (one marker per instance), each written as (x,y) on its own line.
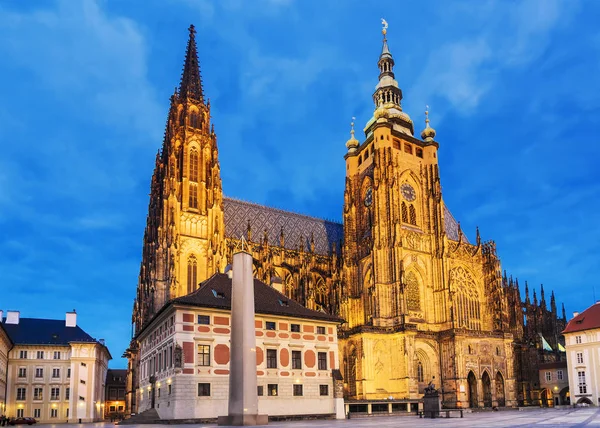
(194,119)
(192,273)
(413,294)
(181,118)
(420,377)
(193,202)
(412,215)
(404,213)
(194,165)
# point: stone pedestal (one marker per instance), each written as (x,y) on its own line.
(243,394)
(432,404)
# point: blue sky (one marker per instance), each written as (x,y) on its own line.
(84,90)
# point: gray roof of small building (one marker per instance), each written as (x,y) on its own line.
(267,300)
(37,331)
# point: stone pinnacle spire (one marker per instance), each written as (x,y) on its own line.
(191,82)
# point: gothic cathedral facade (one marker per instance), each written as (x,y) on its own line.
(422,304)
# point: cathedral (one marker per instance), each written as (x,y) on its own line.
(421,303)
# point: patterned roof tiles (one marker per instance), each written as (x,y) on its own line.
(296,227)
(451,226)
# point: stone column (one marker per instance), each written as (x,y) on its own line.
(243,394)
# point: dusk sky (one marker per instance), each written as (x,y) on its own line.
(512,86)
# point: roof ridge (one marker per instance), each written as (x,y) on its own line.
(282,210)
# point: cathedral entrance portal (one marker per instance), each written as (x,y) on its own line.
(500,390)
(487,389)
(472,380)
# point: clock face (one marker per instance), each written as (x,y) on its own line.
(408,192)
(369,197)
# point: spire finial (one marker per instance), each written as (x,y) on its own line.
(384,24)
(191,82)
(428,133)
(352,143)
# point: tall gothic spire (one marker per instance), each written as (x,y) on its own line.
(191,82)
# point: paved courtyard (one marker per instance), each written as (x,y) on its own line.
(546,418)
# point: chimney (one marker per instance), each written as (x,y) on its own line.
(277,284)
(12,317)
(575,314)
(71,319)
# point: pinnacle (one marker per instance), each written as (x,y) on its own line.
(191,82)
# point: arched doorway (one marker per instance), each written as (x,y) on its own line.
(546,397)
(472,382)
(584,401)
(500,390)
(486,383)
(565,397)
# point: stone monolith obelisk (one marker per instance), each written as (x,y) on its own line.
(243,394)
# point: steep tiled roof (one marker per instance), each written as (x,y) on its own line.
(587,320)
(215,292)
(36,331)
(451,226)
(296,227)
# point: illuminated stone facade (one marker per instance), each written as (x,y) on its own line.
(421,302)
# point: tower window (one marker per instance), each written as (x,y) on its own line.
(194,165)
(192,274)
(193,203)
(412,215)
(360,159)
(396,144)
(419,153)
(407,148)
(181,118)
(194,119)
(404,213)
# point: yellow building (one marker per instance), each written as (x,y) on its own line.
(421,303)
(56,371)
(5,346)
(582,337)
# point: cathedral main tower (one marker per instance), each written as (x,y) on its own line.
(184,235)
(415,293)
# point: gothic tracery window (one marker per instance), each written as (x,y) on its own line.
(413,295)
(194,165)
(192,273)
(412,214)
(193,174)
(194,119)
(193,203)
(468,311)
(404,213)
(420,377)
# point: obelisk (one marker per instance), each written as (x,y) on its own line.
(243,394)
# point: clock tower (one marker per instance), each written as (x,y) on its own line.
(392,195)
